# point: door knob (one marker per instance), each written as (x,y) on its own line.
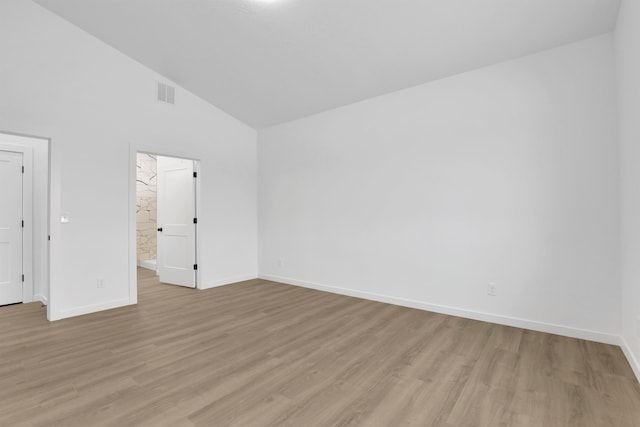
(160,229)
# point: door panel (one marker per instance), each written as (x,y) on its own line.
(176,211)
(10,227)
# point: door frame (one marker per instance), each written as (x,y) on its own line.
(134,149)
(19,145)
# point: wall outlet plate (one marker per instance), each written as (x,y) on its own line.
(492,289)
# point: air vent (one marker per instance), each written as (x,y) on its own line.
(166,93)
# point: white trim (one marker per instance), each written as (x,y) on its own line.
(92,308)
(133,255)
(54,253)
(27,213)
(149,264)
(42,299)
(228,281)
(533,325)
(633,361)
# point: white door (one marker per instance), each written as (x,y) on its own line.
(176,257)
(10,227)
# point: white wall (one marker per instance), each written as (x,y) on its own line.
(507,174)
(628,66)
(94,103)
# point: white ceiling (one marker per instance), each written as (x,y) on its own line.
(267,62)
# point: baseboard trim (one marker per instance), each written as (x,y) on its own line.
(633,361)
(41,298)
(149,264)
(533,325)
(88,309)
(227,281)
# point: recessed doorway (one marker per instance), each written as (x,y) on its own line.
(166,217)
(24,219)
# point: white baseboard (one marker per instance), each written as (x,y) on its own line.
(88,309)
(533,325)
(148,263)
(41,298)
(227,281)
(633,360)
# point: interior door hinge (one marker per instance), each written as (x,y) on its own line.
(195,174)
(195,266)
(195,220)
(23,223)
(23,169)
(23,277)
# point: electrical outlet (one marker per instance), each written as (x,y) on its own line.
(492,289)
(100,282)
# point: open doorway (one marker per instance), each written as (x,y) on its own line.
(166,219)
(146,210)
(24,219)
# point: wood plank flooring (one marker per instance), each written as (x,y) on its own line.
(260,353)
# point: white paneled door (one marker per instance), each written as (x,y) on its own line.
(11,227)
(176,222)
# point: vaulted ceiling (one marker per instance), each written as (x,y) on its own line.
(271,61)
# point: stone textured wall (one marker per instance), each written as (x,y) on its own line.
(146,206)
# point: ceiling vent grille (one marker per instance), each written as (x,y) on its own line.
(166,93)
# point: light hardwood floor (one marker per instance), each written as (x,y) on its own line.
(260,353)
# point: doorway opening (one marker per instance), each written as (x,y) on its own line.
(24,219)
(166,218)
